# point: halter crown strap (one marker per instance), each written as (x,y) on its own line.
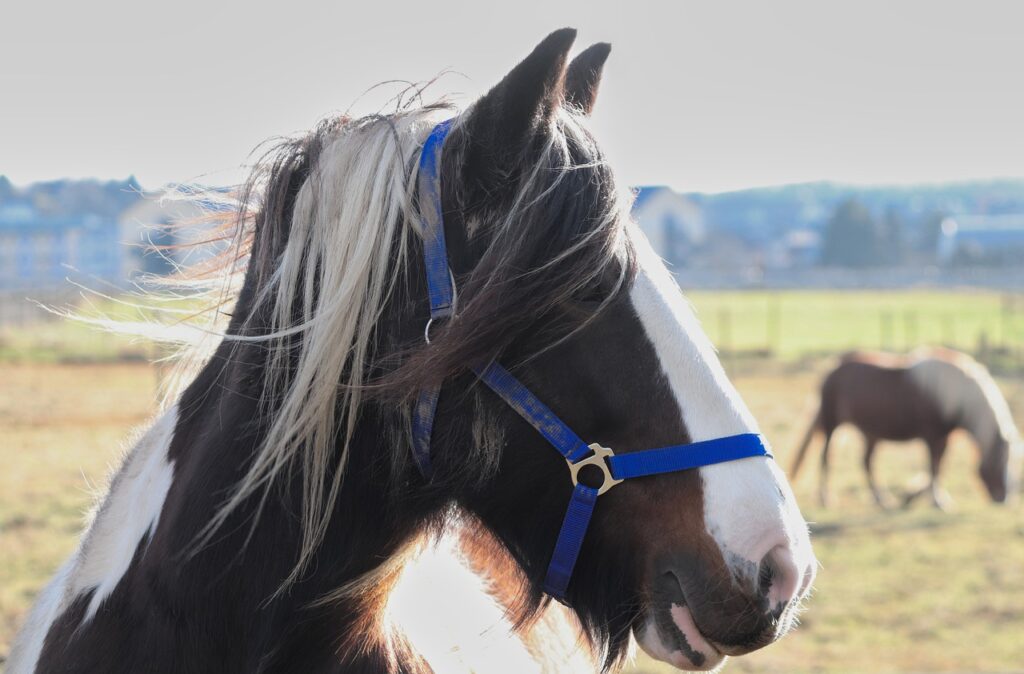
(615,468)
(440,286)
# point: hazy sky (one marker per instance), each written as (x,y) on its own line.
(700,96)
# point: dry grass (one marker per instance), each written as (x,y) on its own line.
(61,429)
(898,592)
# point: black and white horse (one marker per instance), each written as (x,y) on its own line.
(269,517)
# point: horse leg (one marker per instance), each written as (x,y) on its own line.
(823,473)
(917,486)
(940,497)
(882,499)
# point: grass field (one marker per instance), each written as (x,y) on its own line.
(904,591)
(787,325)
(793,324)
(897,592)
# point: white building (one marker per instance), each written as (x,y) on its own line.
(982,239)
(673,224)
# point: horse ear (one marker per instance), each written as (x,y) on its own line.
(526,98)
(584,76)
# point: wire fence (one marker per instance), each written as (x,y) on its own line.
(778,325)
(800,325)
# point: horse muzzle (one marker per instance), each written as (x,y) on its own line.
(694,621)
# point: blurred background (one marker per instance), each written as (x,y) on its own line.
(821,177)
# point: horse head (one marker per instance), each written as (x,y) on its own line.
(554,280)
(265,519)
(1000,468)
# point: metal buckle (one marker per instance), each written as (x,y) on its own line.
(599,459)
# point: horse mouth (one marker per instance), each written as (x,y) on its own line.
(671,635)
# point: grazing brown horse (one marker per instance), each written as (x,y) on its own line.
(927,394)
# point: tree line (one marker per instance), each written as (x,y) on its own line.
(854,236)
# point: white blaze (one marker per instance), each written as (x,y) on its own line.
(749,507)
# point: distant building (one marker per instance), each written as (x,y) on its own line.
(55,230)
(41,252)
(673,224)
(797,248)
(982,239)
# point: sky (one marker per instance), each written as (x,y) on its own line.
(701,96)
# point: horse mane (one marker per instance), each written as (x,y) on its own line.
(328,249)
(319,239)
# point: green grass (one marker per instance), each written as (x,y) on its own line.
(791,324)
(49,338)
(786,325)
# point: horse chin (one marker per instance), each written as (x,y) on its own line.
(670,635)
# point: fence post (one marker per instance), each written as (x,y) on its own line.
(886,330)
(910,330)
(983,350)
(774,325)
(948,332)
(1004,321)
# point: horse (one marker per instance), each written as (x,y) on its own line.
(924,395)
(267,519)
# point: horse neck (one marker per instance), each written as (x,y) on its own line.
(219,427)
(977,415)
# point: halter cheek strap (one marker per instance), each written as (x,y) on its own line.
(614,468)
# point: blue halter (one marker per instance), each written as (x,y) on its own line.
(615,468)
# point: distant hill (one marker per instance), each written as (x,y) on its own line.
(50,230)
(765,214)
(71,198)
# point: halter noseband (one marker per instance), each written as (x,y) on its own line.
(614,468)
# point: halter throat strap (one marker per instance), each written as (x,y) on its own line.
(614,467)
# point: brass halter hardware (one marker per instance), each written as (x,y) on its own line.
(599,458)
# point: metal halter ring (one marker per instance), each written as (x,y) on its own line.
(599,458)
(426,331)
(450,309)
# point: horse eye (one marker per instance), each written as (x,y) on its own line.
(593,294)
(589,295)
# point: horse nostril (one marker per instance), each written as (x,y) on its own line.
(778,577)
(765,575)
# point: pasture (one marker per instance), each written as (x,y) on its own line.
(902,591)
(795,324)
(788,325)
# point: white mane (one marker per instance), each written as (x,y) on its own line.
(326,294)
(981,399)
(994,397)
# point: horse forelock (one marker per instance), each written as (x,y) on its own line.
(536,235)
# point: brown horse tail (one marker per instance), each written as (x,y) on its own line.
(804,444)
